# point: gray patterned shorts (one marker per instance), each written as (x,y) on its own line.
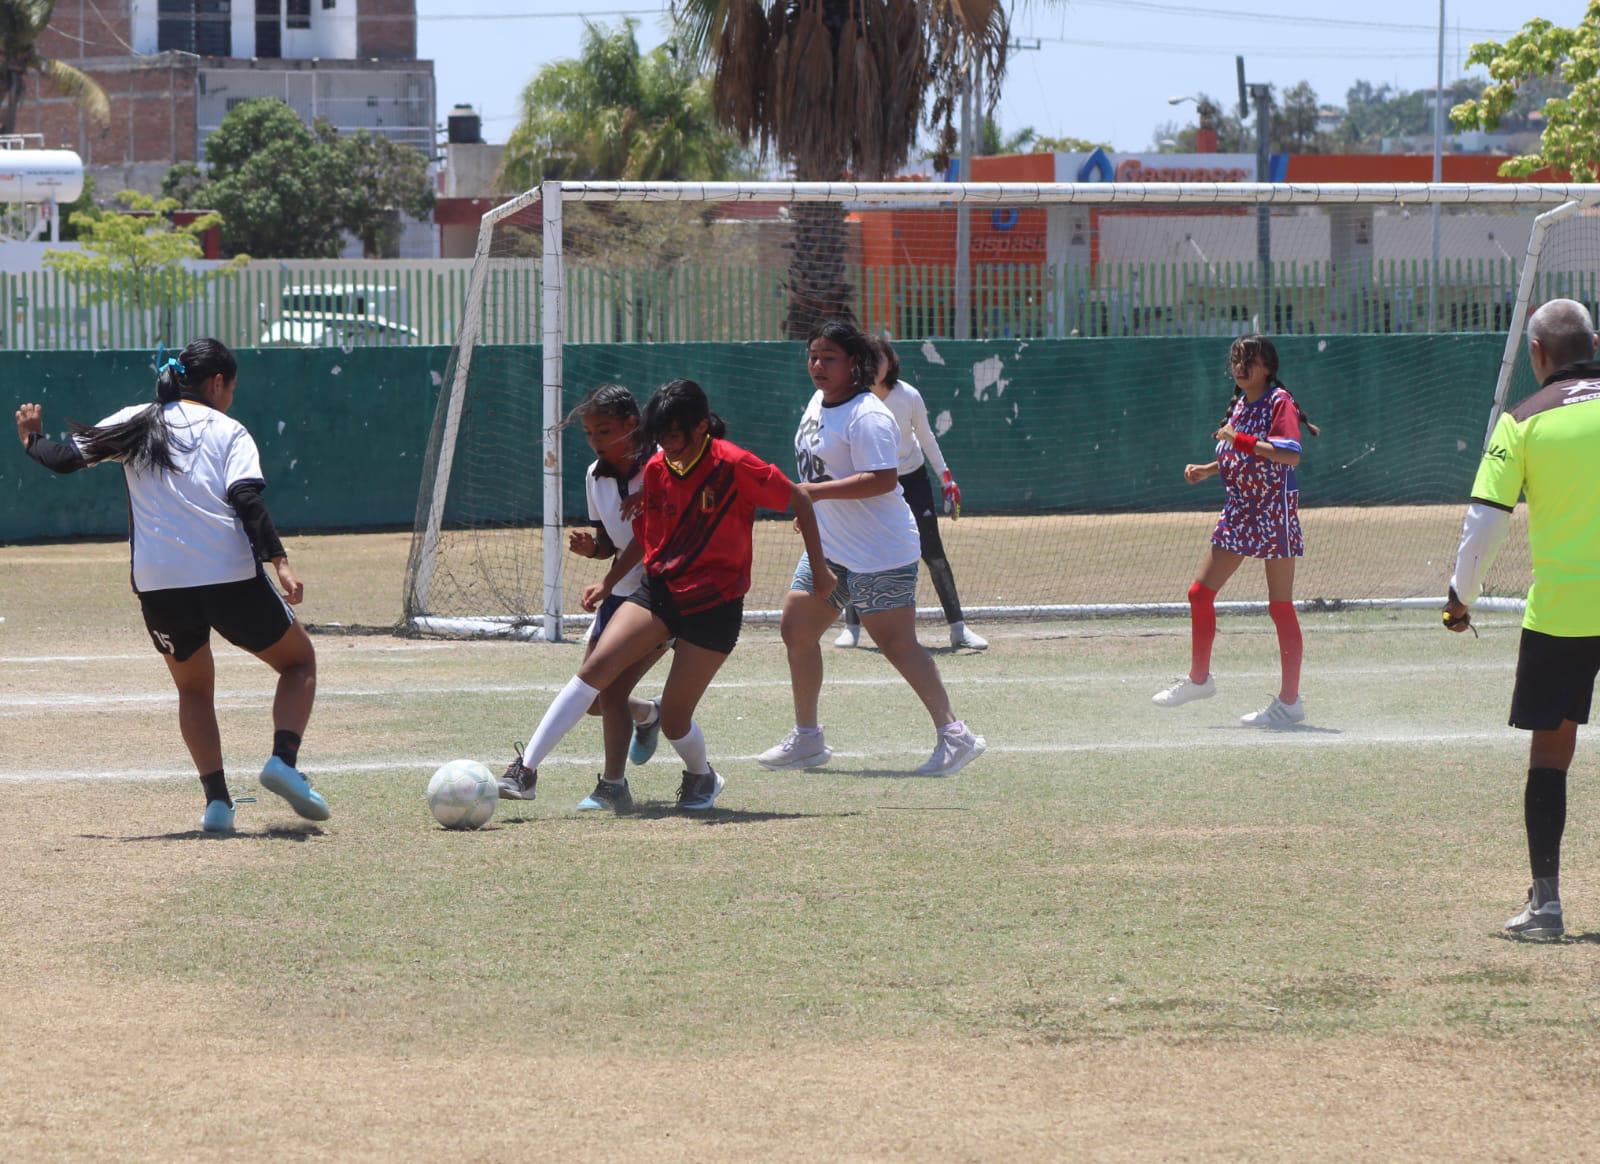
(869,593)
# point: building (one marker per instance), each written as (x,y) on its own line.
(173,69)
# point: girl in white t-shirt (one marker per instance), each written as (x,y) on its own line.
(630,726)
(847,452)
(199,534)
(919,448)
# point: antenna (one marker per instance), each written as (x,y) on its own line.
(1244,100)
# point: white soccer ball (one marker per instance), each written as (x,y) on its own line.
(462,795)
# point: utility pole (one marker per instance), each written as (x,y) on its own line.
(963,288)
(1438,175)
(1261,95)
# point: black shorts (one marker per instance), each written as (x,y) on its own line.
(249,614)
(715,629)
(1555,680)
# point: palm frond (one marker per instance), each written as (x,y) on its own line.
(82,88)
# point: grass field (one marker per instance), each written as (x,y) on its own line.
(1125,933)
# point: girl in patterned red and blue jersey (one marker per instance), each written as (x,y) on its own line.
(1258,447)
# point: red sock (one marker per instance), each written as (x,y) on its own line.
(1202,630)
(1291,647)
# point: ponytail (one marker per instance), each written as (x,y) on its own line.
(145,441)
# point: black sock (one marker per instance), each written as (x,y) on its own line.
(286,746)
(1544,812)
(216,786)
(852,617)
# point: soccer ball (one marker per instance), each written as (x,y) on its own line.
(462,795)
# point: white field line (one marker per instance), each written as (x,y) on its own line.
(228,656)
(11,706)
(1230,738)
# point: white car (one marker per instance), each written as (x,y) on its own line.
(336,331)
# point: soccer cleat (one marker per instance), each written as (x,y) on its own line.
(850,636)
(797,750)
(218,817)
(645,738)
(291,784)
(954,751)
(699,793)
(606,794)
(962,635)
(1276,714)
(1184,690)
(519,783)
(1541,924)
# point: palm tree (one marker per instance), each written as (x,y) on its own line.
(836,87)
(617,114)
(22,22)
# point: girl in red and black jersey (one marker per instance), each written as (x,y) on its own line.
(693,533)
(1258,447)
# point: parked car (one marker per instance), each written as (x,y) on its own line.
(337,315)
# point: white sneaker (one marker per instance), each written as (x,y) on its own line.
(1184,690)
(962,636)
(1276,714)
(1539,924)
(850,636)
(954,751)
(797,750)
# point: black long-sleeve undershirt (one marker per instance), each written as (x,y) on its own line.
(57,456)
(252,510)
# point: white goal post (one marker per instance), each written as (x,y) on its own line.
(482,322)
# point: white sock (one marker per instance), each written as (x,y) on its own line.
(563,714)
(692,750)
(653,718)
(954,728)
(958,628)
(808,731)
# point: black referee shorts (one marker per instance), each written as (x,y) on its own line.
(249,614)
(1555,680)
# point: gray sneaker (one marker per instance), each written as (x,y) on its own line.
(1276,714)
(519,783)
(796,750)
(615,796)
(955,750)
(1539,924)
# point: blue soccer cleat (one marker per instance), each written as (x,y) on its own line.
(645,738)
(290,784)
(218,817)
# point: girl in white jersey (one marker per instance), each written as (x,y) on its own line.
(630,726)
(918,447)
(199,532)
(847,450)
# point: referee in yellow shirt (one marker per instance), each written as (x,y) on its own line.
(1547,448)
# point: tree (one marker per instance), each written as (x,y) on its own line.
(836,87)
(136,258)
(1068,145)
(22,22)
(616,114)
(1233,136)
(1539,52)
(992,143)
(385,180)
(184,182)
(282,189)
(1294,122)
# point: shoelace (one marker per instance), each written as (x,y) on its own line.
(686,787)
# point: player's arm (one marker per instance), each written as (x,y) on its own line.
(247,502)
(856,487)
(57,456)
(929,444)
(595,543)
(597,593)
(805,518)
(1495,491)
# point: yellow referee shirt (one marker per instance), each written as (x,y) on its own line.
(1548,448)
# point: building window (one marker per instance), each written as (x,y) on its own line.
(269,28)
(195,26)
(299,14)
(326,4)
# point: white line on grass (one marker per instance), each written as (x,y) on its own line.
(36,703)
(1230,738)
(228,656)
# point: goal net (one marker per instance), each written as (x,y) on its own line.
(1070,342)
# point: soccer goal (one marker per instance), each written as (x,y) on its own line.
(1070,341)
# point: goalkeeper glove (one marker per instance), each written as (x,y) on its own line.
(952,496)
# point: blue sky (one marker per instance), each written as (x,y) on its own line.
(1103,69)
